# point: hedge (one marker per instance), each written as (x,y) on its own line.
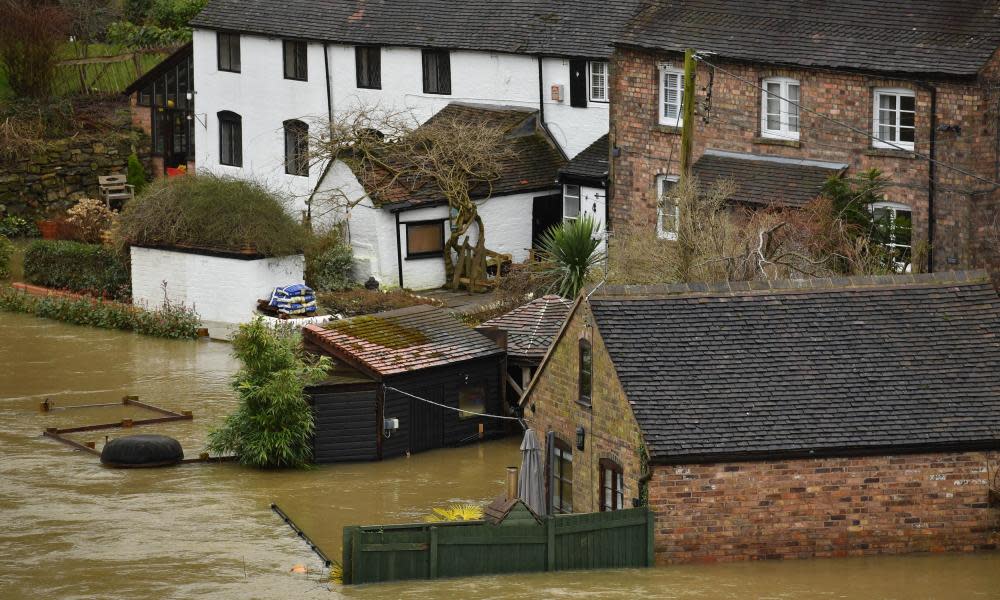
(171,321)
(6,251)
(85,268)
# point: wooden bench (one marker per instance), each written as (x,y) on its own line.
(115,189)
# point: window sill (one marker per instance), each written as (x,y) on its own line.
(667,128)
(437,93)
(890,153)
(296,79)
(369,87)
(766,141)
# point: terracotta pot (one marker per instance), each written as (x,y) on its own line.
(49,229)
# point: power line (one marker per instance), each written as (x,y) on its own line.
(849,126)
(461,410)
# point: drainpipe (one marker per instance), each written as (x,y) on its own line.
(329,117)
(541,111)
(399,252)
(931,172)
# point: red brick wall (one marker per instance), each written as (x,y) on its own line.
(824,507)
(611,430)
(648,149)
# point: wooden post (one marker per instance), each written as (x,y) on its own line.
(687,106)
(550,544)
(433,562)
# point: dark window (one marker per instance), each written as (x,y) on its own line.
(437,72)
(296,148)
(145,96)
(473,400)
(612,489)
(586,371)
(562,477)
(229,51)
(368,61)
(424,238)
(295,60)
(578,82)
(230,139)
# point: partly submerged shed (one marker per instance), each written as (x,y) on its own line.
(416,366)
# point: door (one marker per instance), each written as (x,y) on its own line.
(174,133)
(426,422)
(546,211)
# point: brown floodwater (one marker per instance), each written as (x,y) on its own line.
(70,528)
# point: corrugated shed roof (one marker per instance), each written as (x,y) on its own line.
(765,179)
(532,327)
(543,27)
(836,366)
(956,37)
(400,341)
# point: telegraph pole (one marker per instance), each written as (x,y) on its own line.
(687,106)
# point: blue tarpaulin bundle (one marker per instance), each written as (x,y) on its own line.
(297,299)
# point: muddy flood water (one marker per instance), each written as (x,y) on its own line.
(70,528)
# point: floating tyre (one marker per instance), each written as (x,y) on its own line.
(140,451)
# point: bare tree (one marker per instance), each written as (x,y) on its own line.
(30,35)
(455,157)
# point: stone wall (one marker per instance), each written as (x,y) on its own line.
(611,430)
(52,180)
(824,507)
(966,109)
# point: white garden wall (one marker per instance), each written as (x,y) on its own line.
(221,289)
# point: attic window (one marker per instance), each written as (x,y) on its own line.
(598,79)
(228,51)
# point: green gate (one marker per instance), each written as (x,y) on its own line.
(604,540)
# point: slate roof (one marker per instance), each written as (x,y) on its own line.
(532,327)
(842,367)
(583,28)
(531,160)
(401,341)
(589,165)
(956,37)
(765,179)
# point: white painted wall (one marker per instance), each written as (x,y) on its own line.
(221,290)
(264,99)
(372,232)
(593,202)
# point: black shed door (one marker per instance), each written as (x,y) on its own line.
(426,422)
(578,82)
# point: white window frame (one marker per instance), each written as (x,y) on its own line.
(591,74)
(666,234)
(893,143)
(785,107)
(579,201)
(893,208)
(665,119)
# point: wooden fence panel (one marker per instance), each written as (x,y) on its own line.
(427,551)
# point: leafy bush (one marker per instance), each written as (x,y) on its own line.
(91,220)
(30,36)
(213,213)
(328,263)
(136,173)
(273,425)
(570,249)
(6,251)
(171,321)
(85,268)
(360,301)
(13,226)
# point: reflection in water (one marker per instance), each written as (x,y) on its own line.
(70,528)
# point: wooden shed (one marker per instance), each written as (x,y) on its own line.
(412,367)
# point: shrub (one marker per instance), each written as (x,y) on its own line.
(85,268)
(213,213)
(136,173)
(171,321)
(13,226)
(6,251)
(328,263)
(30,35)
(360,301)
(91,220)
(273,425)
(570,251)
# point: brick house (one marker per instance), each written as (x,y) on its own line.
(781,419)
(855,83)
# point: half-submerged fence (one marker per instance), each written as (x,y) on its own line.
(615,539)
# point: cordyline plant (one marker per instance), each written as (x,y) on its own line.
(569,253)
(273,426)
(392,156)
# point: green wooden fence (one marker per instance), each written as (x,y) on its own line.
(605,540)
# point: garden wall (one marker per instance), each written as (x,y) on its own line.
(222,289)
(65,171)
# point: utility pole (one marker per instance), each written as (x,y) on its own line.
(687,108)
